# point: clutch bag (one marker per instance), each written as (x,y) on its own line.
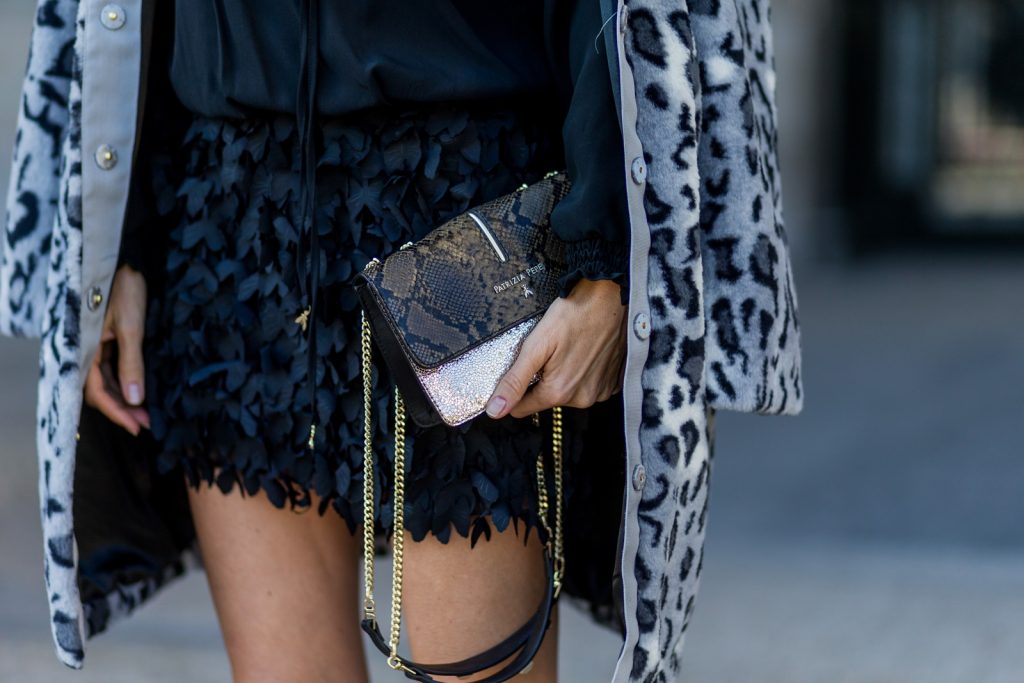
(449,314)
(450,311)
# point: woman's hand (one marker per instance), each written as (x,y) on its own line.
(580,347)
(119,394)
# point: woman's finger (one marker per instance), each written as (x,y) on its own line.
(130,368)
(532,356)
(112,389)
(100,395)
(541,396)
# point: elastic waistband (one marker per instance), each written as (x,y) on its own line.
(383,115)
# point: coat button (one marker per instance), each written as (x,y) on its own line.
(638,169)
(642,325)
(112,16)
(94,299)
(639,478)
(106,157)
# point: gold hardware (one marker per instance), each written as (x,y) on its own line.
(547,175)
(395,663)
(369,606)
(554,542)
(303,318)
(398,540)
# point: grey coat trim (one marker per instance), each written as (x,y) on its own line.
(117,54)
(636,352)
(712,305)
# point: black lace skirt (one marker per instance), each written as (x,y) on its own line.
(226,361)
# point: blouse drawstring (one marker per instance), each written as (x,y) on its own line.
(305,116)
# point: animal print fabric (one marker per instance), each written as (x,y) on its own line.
(724,330)
(34,186)
(750,300)
(60,380)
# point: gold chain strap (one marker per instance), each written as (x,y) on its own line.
(398,541)
(554,542)
(369,607)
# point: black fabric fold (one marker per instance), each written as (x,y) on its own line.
(592,218)
(236,59)
(163,121)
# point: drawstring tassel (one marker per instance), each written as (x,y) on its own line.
(305,118)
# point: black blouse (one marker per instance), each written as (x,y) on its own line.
(241,57)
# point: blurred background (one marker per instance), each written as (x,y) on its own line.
(878,536)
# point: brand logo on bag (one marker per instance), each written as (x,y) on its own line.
(519,277)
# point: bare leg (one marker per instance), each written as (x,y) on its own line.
(460,601)
(285,588)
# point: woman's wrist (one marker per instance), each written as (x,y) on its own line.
(605,287)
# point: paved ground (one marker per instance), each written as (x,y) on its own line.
(874,539)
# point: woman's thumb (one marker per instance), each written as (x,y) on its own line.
(130,368)
(516,380)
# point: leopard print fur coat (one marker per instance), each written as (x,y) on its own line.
(712,303)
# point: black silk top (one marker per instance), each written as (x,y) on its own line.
(238,57)
(234,57)
(243,57)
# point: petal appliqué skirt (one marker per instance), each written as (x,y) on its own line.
(226,359)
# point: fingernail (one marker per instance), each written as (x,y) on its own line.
(495,406)
(134,393)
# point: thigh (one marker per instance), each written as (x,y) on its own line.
(458,600)
(284,585)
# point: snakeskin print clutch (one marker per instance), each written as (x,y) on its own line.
(450,311)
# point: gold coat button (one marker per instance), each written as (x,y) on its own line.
(94,298)
(112,16)
(106,157)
